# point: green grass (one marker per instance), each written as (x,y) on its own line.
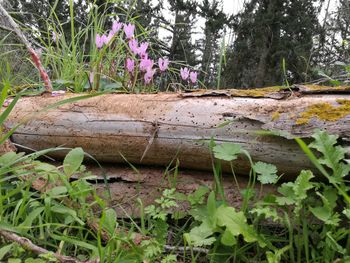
(311,217)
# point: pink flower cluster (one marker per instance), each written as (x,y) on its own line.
(139,59)
(185,73)
(104,39)
(145,63)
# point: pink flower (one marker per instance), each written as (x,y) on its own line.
(130,65)
(129,30)
(110,36)
(104,39)
(146,64)
(149,75)
(133,45)
(91,77)
(163,64)
(143,49)
(193,76)
(7,102)
(54,36)
(184,72)
(116,26)
(56,93)
(98,41)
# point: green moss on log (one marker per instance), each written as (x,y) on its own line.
(261,92)
(325,112)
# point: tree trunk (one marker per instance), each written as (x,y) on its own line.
(156,129)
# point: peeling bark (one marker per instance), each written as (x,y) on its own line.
(153,129)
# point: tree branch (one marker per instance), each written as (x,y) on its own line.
(24,40)
(27,244)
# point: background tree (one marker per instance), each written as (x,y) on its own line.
(182,48)
(266,32)
(215,21)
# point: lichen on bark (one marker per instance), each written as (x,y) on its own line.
(325,111)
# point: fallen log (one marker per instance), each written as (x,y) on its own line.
(155,129)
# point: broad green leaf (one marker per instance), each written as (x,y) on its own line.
(201,235)
(110,221)
(45,167)
(330,197)
(5,250)
(211,208)
(14,260)
(60,209)
(287,191)
(321,213)
(199,213)
(227,151)
(236,224)
(9,158)
(228,239)
(57,191)
(32,216)
(325,212)
(198,196)
(267,173)
(73,161)
(75,242)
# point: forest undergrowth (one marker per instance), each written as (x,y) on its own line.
(47,214)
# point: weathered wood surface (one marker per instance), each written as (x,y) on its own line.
(161,127)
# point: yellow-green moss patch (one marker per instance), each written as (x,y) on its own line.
(325,112)
(275,116)
(319,87)
(261,92)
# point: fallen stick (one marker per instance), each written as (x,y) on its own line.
(29,245)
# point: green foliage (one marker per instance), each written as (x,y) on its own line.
(222,220)
(333,155)
(267,173)
(73,161)
(227,151)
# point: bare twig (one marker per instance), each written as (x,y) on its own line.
(183,249)
(27,244)
(24,40)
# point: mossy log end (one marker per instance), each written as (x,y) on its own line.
(155,129)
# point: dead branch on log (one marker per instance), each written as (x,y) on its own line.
(29,245)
